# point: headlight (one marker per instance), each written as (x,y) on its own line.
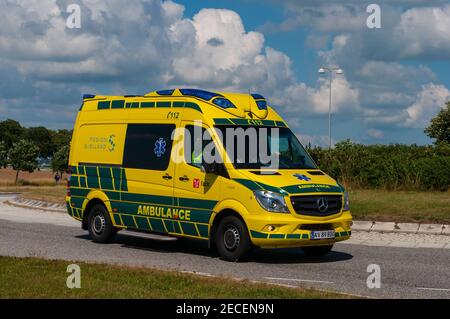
(271,201)
(346,201)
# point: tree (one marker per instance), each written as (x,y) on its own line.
(22,157)
(3,155)
(60,160)
(42,137)
(439,127)
(61,138)
(10,132)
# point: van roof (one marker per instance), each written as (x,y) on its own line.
(237,104)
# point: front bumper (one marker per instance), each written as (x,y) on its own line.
(290,231)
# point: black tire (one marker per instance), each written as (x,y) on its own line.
(100,226)
(232,239)
(317,251)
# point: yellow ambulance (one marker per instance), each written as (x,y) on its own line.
(131,169)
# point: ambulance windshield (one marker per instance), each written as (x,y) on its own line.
(255,147)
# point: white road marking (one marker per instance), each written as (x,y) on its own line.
(199,273)
(435,289)
(299,280)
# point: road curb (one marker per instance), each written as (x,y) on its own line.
(408,228)
(37,204)
(358,225)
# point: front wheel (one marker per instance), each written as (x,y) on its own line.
(317,251)
(232,239)
(100,226)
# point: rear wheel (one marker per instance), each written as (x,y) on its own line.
(232,239)
(100,226)
(317,251)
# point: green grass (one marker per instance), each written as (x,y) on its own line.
(400,206)
(40,278)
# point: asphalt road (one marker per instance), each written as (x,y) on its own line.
(405,272)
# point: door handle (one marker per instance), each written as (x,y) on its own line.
(167,177)
(184,178)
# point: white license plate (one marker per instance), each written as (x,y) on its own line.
(322,234)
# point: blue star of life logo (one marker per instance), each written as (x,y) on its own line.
(160,147)
(302,177)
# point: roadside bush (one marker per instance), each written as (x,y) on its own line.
(387,166)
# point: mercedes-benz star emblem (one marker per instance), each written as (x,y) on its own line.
(322,204)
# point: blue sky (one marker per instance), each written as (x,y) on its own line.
(395,80)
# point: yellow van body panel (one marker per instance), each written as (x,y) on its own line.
(180,199)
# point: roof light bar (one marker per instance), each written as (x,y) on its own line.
(204,95)
(224,103)
(165,92)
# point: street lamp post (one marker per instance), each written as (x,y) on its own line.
(330,71)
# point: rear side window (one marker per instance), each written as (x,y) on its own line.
(148,146)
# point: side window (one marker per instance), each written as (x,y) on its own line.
(148,146)
(194,144)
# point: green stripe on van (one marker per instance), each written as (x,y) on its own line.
(79,192)
(83,182)
(147,104)
(194,106)
(103,105)
(222,121)
(248,122)
(257,234)
(142,223)
(272,188)
(132,105)
(147,199)
(118,104)
(197,203)
(312,188)
(164,104)
(247,183)
(74,181)
(169,225)
(177,104)
(189,229)
(203,230)
(105,178)
(157,225)
(113,196)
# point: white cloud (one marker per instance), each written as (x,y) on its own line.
(410,29)
(429,101)
(377,134)
(424,31)
(298,99)
(323,17)
(315,140)
(220,46)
